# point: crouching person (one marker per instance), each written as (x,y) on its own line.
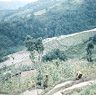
(79,75)
(45,84)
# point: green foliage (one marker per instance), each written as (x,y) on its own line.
(54,54)
(39,79)
(92,39)
(64,71)
(33,45)
(30,43)
(39,45)
(10,82)
(90,47)
(59,20)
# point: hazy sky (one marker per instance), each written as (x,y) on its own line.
(14,4)
(19,1)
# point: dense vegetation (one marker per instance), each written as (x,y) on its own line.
(12,34)
(57,20)
(54,54)
(62,71)
(34,45)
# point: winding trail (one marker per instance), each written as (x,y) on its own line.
(58,87)
(65,87)
(68,87)
(80,85)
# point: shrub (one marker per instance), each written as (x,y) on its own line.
(54,54)
(93,39)
(89,49)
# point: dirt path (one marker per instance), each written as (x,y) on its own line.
(68,86)
(76,86)
(58,87)
(39,91)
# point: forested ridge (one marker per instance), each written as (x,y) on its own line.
(59,18)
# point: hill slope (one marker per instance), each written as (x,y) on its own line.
(66,41)
(66,70)
(46,19)
(71,44)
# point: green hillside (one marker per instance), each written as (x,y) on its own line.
(45,19)
(64,42)
(58,70)
(67,50)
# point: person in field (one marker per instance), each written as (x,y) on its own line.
(45,84)
(79,75)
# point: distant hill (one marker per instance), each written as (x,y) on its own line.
(5,13)
(46,19)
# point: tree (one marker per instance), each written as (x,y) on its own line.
(39,48)
(33,45)
(90,47)
(30,44)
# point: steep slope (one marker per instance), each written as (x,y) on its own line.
(66,69)
(72,44)
(64,42)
